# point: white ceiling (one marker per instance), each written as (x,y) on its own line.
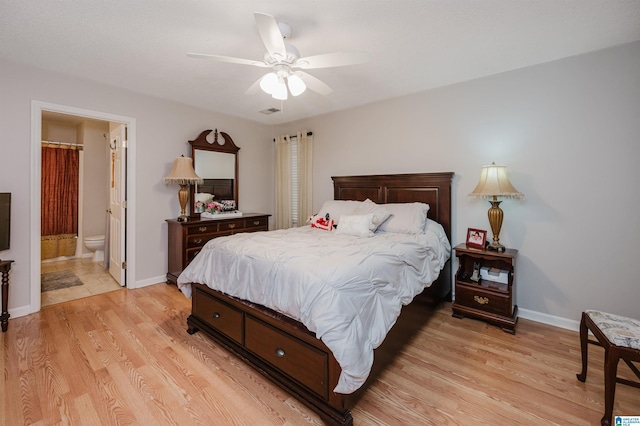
(414,45)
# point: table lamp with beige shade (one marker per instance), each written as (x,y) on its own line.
(495,184)
(183,174)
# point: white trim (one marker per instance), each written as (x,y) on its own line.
(549,319)
(36,159)
(152,281)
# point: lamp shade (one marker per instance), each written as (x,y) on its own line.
(182,172)
(495,183)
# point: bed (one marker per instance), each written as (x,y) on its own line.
(283,348)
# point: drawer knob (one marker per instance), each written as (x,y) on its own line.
(280,353)
(481,300)
(256,222)
(232,225)
(202,229)
(216,315)
(198,241)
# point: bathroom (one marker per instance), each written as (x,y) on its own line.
(75,266)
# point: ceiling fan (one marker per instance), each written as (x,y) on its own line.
(285,62)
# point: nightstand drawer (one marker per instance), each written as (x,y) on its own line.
(482,298)
(224,318)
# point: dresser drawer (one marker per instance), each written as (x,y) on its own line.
(258,222)
(191,254)
(199,240)
(224,318)
(202,228)
(231,225)
(482,298)
(302,362)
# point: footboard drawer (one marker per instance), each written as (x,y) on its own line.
(224,318)
(299,360)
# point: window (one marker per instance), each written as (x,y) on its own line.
(293,179)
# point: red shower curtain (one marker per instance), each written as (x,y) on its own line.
(59,199)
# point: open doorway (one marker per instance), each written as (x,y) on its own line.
(81,161)
(120,163)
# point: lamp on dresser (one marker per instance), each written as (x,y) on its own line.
(184,175)
(494,183)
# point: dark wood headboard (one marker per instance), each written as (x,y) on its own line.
(430,188)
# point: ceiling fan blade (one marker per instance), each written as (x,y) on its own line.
(270,34)
(254,88)
(327,60)
(314,84)
(228,59)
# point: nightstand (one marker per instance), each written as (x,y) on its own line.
(491,298)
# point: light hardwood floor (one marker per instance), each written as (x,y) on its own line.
(95,280)
(124,357)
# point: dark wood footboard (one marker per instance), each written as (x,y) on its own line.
(286,352)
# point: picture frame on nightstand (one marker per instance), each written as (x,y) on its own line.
(476,238)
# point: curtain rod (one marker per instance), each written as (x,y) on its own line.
(76,145)
(308,134)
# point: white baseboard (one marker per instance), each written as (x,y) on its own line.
(151,281)
(19,311)
(549,319)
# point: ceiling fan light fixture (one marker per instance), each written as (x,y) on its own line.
(296,85)
(269,83)
(280,92)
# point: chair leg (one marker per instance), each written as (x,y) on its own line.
(583,349)
(611,358)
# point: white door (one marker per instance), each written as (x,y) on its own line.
(117,201)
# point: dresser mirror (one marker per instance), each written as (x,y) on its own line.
(215,160)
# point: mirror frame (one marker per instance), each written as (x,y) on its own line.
(226,146)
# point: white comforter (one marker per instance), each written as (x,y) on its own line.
(347,290)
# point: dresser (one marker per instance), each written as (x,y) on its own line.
(186,239)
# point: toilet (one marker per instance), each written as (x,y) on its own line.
(95,243)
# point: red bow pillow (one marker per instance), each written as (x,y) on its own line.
(321,222)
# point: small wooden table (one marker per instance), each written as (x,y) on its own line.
(485,299)
(5,267)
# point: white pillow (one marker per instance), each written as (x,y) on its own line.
(406,218)
(380,214)
(356,225)
(338,208)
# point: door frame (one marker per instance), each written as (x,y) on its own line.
(36,184)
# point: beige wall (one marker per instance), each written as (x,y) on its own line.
(59,132)
(569,133)
(95,178)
